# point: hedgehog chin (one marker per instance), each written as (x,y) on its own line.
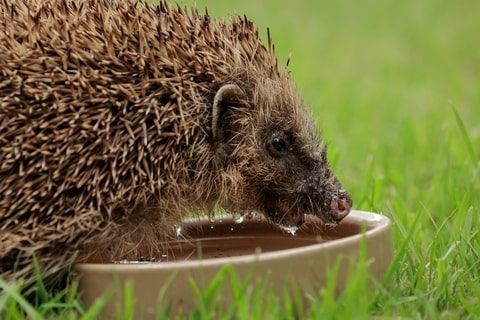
(286,219)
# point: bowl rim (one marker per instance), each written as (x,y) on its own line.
(375,223)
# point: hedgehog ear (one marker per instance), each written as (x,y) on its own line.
(227,98)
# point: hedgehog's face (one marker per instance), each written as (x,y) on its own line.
(283,166)
(301,181)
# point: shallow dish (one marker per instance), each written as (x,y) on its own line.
(254,245)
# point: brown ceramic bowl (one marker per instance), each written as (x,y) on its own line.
(205,247)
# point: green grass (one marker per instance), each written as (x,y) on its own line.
(395,89)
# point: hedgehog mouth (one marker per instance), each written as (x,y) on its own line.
(283,213)
(290,213)
(297,219)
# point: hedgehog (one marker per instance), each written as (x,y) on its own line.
(119,118)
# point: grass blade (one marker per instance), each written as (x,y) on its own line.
(13,292)
(465,137)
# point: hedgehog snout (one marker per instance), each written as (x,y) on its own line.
(340,205)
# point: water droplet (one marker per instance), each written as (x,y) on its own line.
(123,261)
(231,229)
(212,223)
(178,231)
(289,229)
(240,219)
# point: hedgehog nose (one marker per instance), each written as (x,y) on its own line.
(341,205)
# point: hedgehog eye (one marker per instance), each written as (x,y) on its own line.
(279,144)
(277,147)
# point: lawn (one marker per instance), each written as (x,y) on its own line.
(395,90)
